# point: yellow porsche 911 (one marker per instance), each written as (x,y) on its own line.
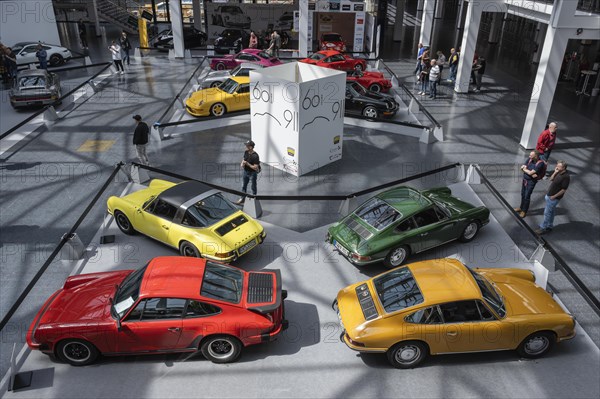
(441,306)
(231,95)
(190,216)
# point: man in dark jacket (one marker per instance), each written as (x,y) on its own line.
(532,172)
(251,167)
(42,56)
(125,46)
(140,140)
(82,33)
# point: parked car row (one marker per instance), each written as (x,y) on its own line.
(198,303)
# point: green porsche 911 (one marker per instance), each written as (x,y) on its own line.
(402,221)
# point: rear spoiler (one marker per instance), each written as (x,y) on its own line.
(279,296)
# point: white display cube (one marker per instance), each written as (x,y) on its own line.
(297,116)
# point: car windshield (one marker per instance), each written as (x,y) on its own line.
(229,86)
(358,88)
(31,81)
(443,208)
(397,290)
(317,56)
(378,213)
(231,10)
(211,210)
(332,38)
(128,291)
(262,54)
(235,70)
(222,283)
(489,293)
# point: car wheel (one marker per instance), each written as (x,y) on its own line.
(215,84)
(406,355)
(218,109)
(221,348)
(359,67)
(56,60)
(220,66)
(396,256)
(76,352)
(123,223)
(537,344)
(188,249)
(470,231)
(375,87)
(370,112)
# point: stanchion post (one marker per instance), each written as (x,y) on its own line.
(73,248)
(253,207)
(542,255)
(18,380)
(50,114)
(472,175)
(139,175)
(347,205)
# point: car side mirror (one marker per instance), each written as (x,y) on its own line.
(119,324)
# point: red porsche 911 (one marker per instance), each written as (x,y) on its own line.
(332,41)
(335,60)
(173,304)
(374,81)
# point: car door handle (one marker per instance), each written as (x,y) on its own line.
(164,226)
(173,329)
(452,334)
(423,234)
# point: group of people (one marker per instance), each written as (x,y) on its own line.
(9,61)
(429,71)
(272,38)
(534,169)
(119,50)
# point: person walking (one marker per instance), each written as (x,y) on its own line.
(479,71)
(441,61)
(560,183)
(82,33)
(253,40)
(251,166)
(125,46)
(434,78)
(115,49)
(546,141)
(42,56)
(140,140)
(533,170)
(453,65)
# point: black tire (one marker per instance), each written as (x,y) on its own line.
(188,249)
(358,67)
(76,352)
(221,348)
(370,112)
(56,60)
(218,109)
(220,66)
(396,257)
(215,84)
(375,87)
(537,344)
(470,231)
(123,223)
(407,355)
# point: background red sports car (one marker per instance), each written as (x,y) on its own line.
(173,304)
(332,41)
(336,60)
(374,81)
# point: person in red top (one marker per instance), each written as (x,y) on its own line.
(546,141)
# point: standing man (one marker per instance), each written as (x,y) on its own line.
(434,78)
(140,140)
(419,54)
(546,141)
(82,33)
(251,166)
(125,46)
(42,57)
(453,64)
(560,182)
(533,171)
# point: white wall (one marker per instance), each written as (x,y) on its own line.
(27,20)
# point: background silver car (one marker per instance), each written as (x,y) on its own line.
(35,88)
(215,78)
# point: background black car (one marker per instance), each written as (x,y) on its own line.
(192,38)
(360,101)
(232,39)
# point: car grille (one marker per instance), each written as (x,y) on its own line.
(358,229)
(230,225)
(366,302)
(260,288)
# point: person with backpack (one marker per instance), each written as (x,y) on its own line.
(534,169)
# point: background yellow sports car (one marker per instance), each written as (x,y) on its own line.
(189,216)
(231,95)
(441,306)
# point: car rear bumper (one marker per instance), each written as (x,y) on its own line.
(346,339)
(348,256)
(567,337)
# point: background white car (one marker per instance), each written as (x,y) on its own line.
(230,17)
(25,52)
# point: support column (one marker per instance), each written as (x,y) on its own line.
(439,9)
(95,18)
(496,27)
(467,50)
(555,44)
(542,28)
(399,22)
(427,22)
(197,9)
(303,29)
(177,26)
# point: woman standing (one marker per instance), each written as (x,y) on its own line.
(253,40)
(115,49)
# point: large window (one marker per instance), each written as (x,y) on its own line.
(222,283)
(377,213)
(489,293)
(210,210)
(397,290)
(128,291)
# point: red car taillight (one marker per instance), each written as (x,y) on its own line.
(359,257)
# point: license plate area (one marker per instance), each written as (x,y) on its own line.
(340,248)
(247,247)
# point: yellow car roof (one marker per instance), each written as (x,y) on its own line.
(241,79)
(444,280)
